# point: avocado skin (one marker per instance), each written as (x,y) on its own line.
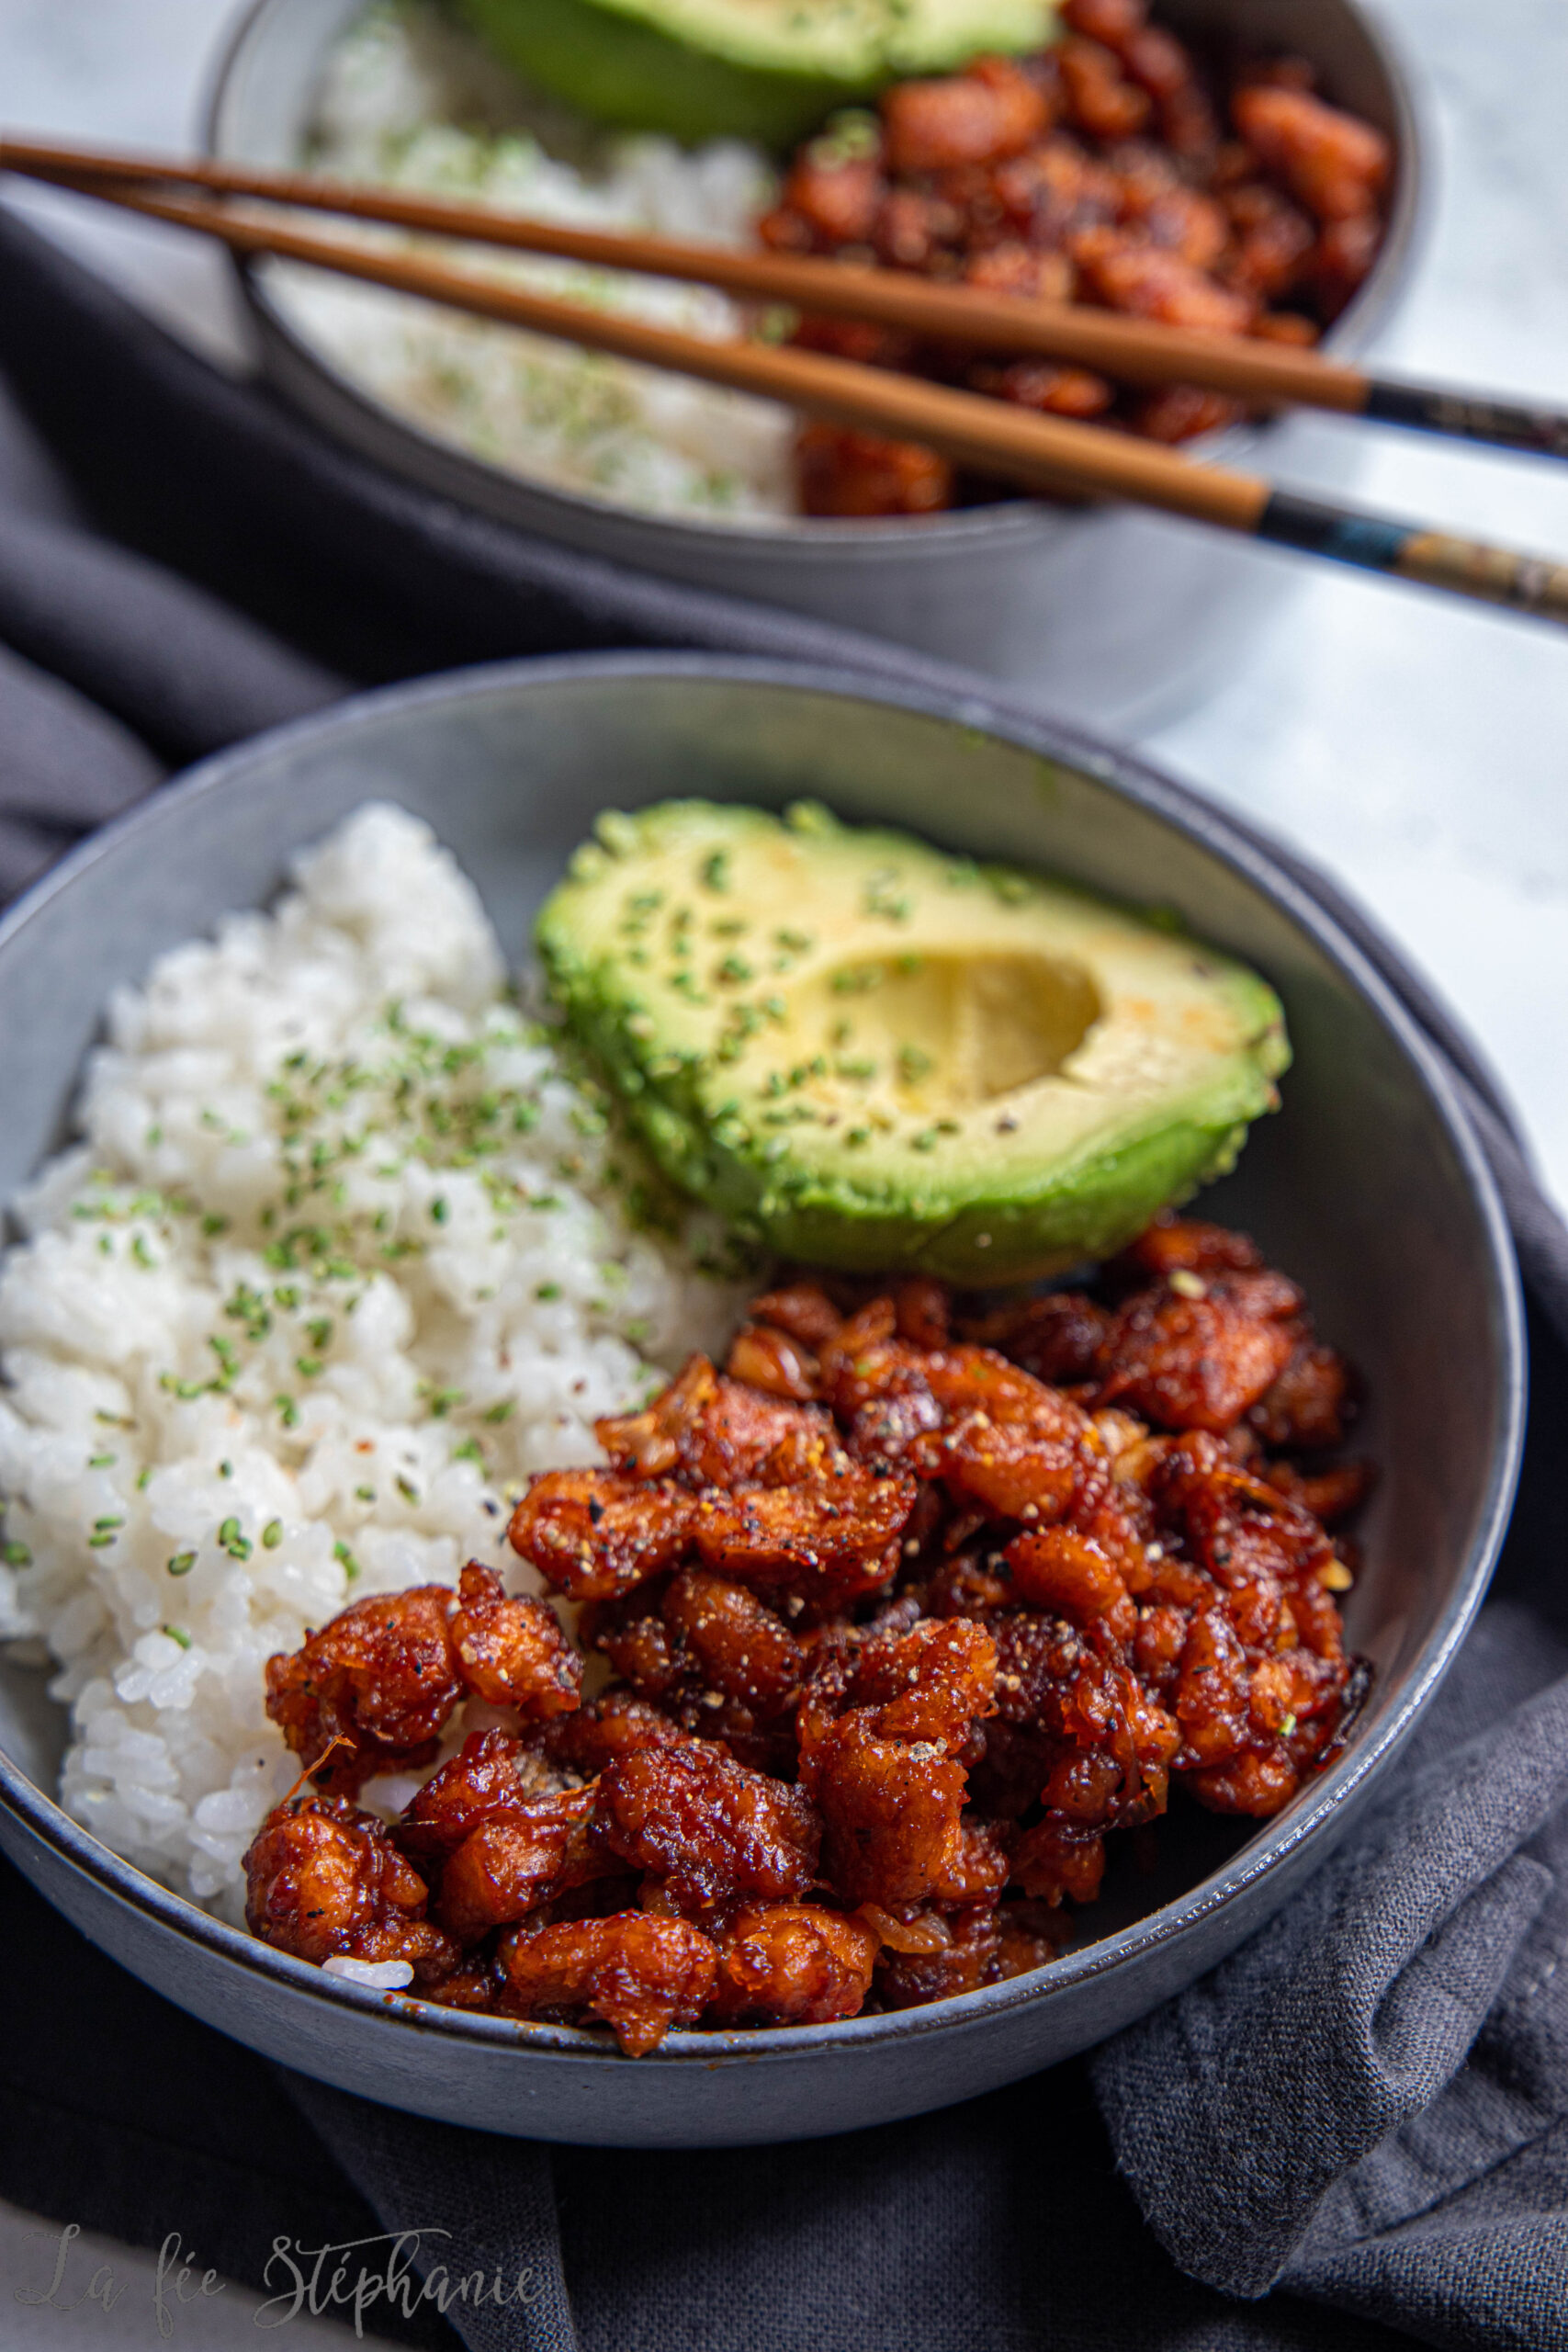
(1027,1223)
(1086,1211)
(633,77)
(620,67)
(1100,1213)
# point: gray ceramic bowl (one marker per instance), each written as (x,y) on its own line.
(1368,1187)
(1108,616)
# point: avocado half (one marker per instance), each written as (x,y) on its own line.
(766,70)
(871,1056)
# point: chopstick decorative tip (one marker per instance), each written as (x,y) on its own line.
(1467,416)
(1524,583)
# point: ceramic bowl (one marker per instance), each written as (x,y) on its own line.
(1108,616)
(1368,1187)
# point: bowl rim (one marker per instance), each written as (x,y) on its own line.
(1276,1843)
(398,444)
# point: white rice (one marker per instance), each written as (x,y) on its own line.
(410,100)
(342,1257)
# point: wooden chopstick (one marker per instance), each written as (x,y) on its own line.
(1138,351)
(995,437)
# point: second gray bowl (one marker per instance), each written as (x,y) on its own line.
(1105,615)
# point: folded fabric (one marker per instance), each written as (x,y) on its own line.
(368,574)
(64,766)
(1363,2116)
(1352,2022)
(112,668)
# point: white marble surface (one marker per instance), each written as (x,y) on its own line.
(1419,750)
(95,2295)
(1419,747)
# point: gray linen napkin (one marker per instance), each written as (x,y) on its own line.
(1366,2110)
(112,668)
(1370,2102)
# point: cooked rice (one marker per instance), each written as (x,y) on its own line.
(410,100)
(342,1257)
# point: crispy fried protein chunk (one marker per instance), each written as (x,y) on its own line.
(802,1309)
(1113,22)
(893,1811)
(974,118)
(962,1413)
(1335,163)
(792,1963)
(746,1435)
(1056,1337)
(1055,391)
(384,1676)
(716,1657)
(632,1635)
(1029,1937)
(641,1975)
(594,1533)
(879,1389)
(1198,1352)
(1151,282)
(850,475)
(1341,259)
(923,1307)
(1186,1242)
(1060,1861)
(983,1865)
(492,1774)
(883,1773)
(930,1684)
(323,1879)
(611,1726)
(832,1537)
(646,1444)
(514,1653)
(713,1832)
(1310,1405)
(1085,1737)
(739,1646)
(838,199)
(516,1860)
(1071,1573)
(1100,99)
(1180,411)
(1010,1470)
(1330,1494)
(710,1430)
(772,1361)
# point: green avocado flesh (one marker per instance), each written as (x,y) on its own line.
(768,70)
(869,1055)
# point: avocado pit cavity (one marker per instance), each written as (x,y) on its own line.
(938,1034)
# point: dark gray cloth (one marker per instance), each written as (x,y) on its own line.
(64,764)
(493,2215)
(1361,2118)
(1340,2105)
(217,482)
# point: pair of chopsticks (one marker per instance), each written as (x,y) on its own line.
(994,436)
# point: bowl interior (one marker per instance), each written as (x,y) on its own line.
(1360,1187)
